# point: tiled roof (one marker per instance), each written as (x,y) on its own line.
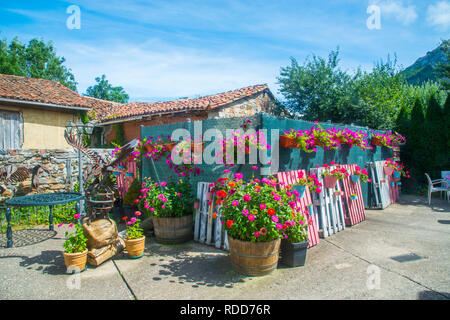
(203,103)
(39,90)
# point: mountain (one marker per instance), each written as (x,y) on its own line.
(425,68)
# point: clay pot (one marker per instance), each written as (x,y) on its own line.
(75,262)
(288,142)
(169,146)
(135,247)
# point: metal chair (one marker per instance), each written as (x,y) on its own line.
(432,188)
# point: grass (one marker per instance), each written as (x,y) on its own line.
(28,217)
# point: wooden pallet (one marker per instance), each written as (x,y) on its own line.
(380,184)
(328,207)
(207,229)
(354,211)
(303,204)
(127,175)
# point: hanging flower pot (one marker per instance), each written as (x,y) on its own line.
(169,146)
(300,189)
(197,145)
(288,142)
(329,181)
(149,147)
(399,183)
(196,204)
(376,141)
(353,197)
(392,184)
(354,178)
(396,174)
(388,170)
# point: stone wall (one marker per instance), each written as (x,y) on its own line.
(61,169)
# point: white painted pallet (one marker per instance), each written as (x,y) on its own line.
(328,207)
(207,229)
(381,184)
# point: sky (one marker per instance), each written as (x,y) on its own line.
(162,50)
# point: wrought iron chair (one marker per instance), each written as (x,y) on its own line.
(432,188)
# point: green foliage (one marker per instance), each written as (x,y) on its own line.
(132,193)
(36,60)
(119,138)
(76,242)
(134,231)
(104,90)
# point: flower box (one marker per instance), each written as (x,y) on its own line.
(197,145)
(169,146)
(376,141)
(329,181)
(288,142)
(293,254)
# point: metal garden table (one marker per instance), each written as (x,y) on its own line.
(39,200)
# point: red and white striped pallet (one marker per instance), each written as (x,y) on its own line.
(124,180)
(328,207)
(303,204)
(207,229)
(354,211)
(393,190)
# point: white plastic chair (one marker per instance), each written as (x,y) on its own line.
(446,176)
(432,188)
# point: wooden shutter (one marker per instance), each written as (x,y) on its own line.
(11,130)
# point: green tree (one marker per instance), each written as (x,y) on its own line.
(104,90)
(444,68)
(36,60)
(436,137)
(417,141)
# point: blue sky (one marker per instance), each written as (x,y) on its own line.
(166,49)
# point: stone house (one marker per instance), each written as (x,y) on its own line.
(130,116)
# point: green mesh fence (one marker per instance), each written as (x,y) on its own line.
(289,159)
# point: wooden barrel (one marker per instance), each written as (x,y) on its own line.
(254,258)
(173,230)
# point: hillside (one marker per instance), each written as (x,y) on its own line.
(424,68)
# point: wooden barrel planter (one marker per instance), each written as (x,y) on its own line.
(254,258)
(173,230)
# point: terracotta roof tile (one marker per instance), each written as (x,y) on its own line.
(203,103)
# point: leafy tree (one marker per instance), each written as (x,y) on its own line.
(436,136)
(444,68)
(417,140)
(36,60)
(318,90)
(104,90)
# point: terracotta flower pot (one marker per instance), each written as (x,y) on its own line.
(169,146)
(388,170)
(376,141)
(149,147)
(75,262)
(288,142)
(135,247)
(199,145)
(329,181)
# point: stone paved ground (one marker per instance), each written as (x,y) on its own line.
(338,268)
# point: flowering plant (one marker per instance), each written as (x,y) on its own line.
(76,242)
(133,230)
(389,139)
(324,138)
(255,210)
(363,175)
(173,199)
(297,230)
(352,138)
(338,173)
(303,139)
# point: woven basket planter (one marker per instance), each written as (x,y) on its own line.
(135,247)
(254,258)
(75,262)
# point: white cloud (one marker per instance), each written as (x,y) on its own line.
(405,14)
(156,69)
(439,14)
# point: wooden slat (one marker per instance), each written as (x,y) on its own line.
(303,204)
(353,209)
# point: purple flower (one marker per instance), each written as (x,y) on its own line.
(262,206)
(235,203)
(275,219)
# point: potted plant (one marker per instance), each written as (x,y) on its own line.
(301,185)
(134,237)
(389,167)
(300,139)
(360,174)
(294,243)
(324,138)
(171,207)
(255,215)
(330,177)
(75,248)
(130,199)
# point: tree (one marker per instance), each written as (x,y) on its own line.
(36,60)
(104,90)
(444,68)
(318,90)
(417,140)
(436,137)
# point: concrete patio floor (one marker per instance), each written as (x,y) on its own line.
(343,266)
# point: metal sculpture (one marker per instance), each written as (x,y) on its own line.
(10,175)
(103,238)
